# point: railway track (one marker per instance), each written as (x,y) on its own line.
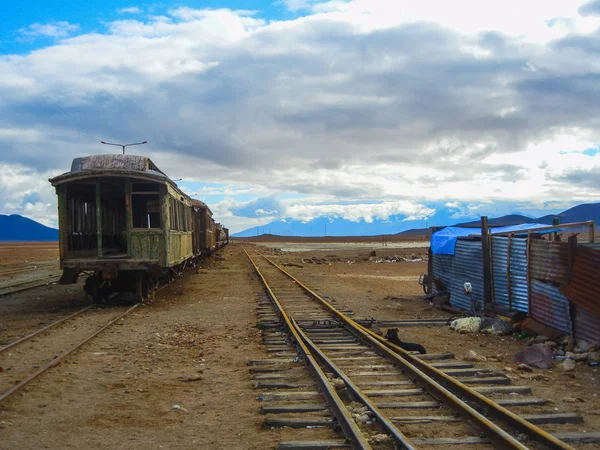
(368,393)
(26,285)
(47,346)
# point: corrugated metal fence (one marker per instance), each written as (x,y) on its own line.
(467,266)
(550,307)
(558,293)
(510,274)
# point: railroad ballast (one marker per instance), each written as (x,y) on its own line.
(128,226)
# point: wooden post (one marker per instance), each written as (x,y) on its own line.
(99,218)
(509,245)
(556,222)
(487,264)
(592,233)
(528,254)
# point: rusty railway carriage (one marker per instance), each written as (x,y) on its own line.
(127,225)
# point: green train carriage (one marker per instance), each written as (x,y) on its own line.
(126,224)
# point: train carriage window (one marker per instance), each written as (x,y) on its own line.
(145,208)
(180,216)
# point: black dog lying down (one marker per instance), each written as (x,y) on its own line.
(392,336)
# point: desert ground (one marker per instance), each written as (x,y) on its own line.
(190,346)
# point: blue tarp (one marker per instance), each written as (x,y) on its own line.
(443,241)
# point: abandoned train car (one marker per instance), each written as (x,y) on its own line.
(127,225)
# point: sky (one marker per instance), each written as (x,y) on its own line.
(304,109)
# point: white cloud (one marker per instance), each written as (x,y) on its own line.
(365,102)
(130,10)
(296,5)
(53,29)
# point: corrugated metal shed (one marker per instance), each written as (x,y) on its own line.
(584,288)
(587,325)
(442,268)
(549,261)
(550,307)
(466,267)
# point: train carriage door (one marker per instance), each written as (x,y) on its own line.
(112,215)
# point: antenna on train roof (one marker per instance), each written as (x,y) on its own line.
(123,145)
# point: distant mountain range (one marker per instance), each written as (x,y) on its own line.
(19,228)
(579,213)
(396,225)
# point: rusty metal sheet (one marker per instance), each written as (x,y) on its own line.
(584,288)
(586,325)
(549,261)
(550,307)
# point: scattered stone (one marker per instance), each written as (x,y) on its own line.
(560,352)
(338,383)
(551,344)
(379,438)
(524,368)
(473,356)
(537,340)
(568,365)
(582,346)
(573,400)
(594,357)
(363,418)
(191,379)
(581,357)
(373,253)
(536,355)
(568,343)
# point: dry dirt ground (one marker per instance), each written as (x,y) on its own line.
(22,262)
(189,347)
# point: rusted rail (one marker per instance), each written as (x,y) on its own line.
(20,287)
(355,437)
(41,330)
(67,352)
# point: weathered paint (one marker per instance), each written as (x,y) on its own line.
(147,245)
(180,246)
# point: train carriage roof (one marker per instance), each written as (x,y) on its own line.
(132,165)
(200,204)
